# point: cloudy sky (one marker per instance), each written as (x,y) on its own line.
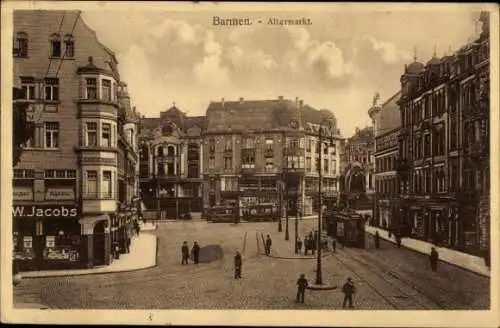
(337,63)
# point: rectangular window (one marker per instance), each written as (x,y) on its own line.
(51,134)
(309,145)
(70,48)
(107,186)
(228,163)
(308,164)
(91,134)
(269,144)
(211,162)
(106,135)
(92,184)
(28,86)
(56,48)
(21,47)
(91,88)
(52,89)
(325,166)
(106,90)
(228,145)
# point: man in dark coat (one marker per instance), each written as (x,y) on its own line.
(196,252)
(348,289)
(237,265)
(302,284)
(269,243)
(434,258)
(306,245)
(185,253)
(377,240)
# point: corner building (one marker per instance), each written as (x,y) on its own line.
(65,186)
(444,146)
(261,155)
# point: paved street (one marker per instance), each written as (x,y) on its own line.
(388,278)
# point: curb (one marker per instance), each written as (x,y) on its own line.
(95,273)
(296,258)
(488,275)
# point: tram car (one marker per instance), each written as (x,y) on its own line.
(221,214)
(259,212)
(348,228)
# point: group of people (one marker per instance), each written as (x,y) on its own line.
(185,253)
(310,243)
(123,244)
(348,289)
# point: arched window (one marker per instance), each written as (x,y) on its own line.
(171,151)
(69,44)
(21,45)
(55,45)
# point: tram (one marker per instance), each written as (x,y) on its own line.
(222,214)
(348,228)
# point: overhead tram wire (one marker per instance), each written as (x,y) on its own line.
(72,30)
(58,32)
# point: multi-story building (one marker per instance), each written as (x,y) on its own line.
(358,189)
(170,164)
(251,146)
(65,186)
(386,122)
(444,146)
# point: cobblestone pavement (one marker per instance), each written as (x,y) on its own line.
(388,278)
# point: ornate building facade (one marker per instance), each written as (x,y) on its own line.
(444,146)
(358,186)
(256,147)
(66,185)
(386,122)
(171,161)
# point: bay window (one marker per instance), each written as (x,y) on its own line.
(106,135)
(91,190)
(106,90)
(91,134)
(106,185)
(91,88)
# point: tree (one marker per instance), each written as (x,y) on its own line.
(21,128)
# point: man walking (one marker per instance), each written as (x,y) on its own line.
(237,265)
(185,253)
(269,243)
(298,248)
(196,252)
(434,258)
(348,289)
(302,284)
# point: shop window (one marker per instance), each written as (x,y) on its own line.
(62,240)
(51,135)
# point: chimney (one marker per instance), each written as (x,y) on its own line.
(280,98)
(301,103)
(241,100)
(222,101)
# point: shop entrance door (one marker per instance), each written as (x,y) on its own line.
(99,243)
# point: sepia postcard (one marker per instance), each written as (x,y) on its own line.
(265,164)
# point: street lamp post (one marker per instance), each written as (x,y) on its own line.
(296,220)
(280,211)
(287,234)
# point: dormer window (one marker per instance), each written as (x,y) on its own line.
(55,46)
(69,44)
(21,45)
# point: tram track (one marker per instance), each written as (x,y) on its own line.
(400,299)
(383,271)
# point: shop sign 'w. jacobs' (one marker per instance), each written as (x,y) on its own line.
(38,211)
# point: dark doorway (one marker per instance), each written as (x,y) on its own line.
(99,243)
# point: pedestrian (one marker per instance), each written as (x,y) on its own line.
(306,245)
(127,245)
(302,284)
(269,243)
(196,252)
(398,239)
(116,250)
(137,227)
(434,258)
(237,265)
(299,245)
(334,244)
(377,240)
(185,253)
(348,289)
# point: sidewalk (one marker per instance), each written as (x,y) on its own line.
(142,255)
(463,260)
